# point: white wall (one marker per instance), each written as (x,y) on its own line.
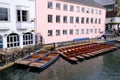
(12,26)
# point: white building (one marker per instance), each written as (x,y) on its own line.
(16,23)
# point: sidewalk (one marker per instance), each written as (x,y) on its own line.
(6,66)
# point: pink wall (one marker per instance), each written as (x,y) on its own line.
(43,26)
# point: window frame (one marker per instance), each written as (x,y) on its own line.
(71,19)
(7,15)
(82,20)
(50,33)
(50,5)
(57,32)
(21,15)
(71,31)
(65,19)
(57,18)
(71,8)
(27,39)
(64,32)
(77,20)
(65,7)
(58,6)
(50,18)
(13,39)
(77,8)
(77,31)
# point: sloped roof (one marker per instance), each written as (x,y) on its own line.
(105,2)
(85,2)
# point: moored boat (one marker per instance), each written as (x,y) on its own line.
(28,59)
(45,61)
(69,56)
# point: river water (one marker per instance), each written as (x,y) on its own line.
(104,67)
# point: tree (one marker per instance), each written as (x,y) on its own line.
(117,6)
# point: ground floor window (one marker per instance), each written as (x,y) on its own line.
(13,40)
(27,38)
(50,32)
(1,42)
(64,32)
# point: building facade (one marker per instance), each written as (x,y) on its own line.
(16,23)
(66,20)
(112,14)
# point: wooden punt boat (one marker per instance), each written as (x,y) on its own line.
(68,56)
(28,59)
(45,61)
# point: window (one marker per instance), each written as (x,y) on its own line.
(57,32)
(13,40)
(83,9)
(116,2)
(91,30)
(99,30)
(99,12)
(27,39)
(87,31)
(87,10)
(99,21)
(82,20)
(71,19)
(92,11)
(57,19)
(82,31)
(71,8)
(87,20)
(96,21)
(96,11)
(65,7)
(22,15)
(58,6)
(50,5)
(4,14)
(65,19)
(77,19)
(50,33)
(50,18)
(64,32)
(95,30)
(77,31)
(71,31)
(77,8)
(92,20)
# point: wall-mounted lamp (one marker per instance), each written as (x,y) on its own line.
(32,20)
(5,35)
(23,33)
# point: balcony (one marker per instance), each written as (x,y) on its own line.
(23,25)
(4,28)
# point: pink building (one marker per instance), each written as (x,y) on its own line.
(66,20)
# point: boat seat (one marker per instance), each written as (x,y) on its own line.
(46,58)
(35,56)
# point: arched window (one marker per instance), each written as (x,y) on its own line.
(27,38)
(1,42)
(13,40)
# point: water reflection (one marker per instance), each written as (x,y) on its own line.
(105,67)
